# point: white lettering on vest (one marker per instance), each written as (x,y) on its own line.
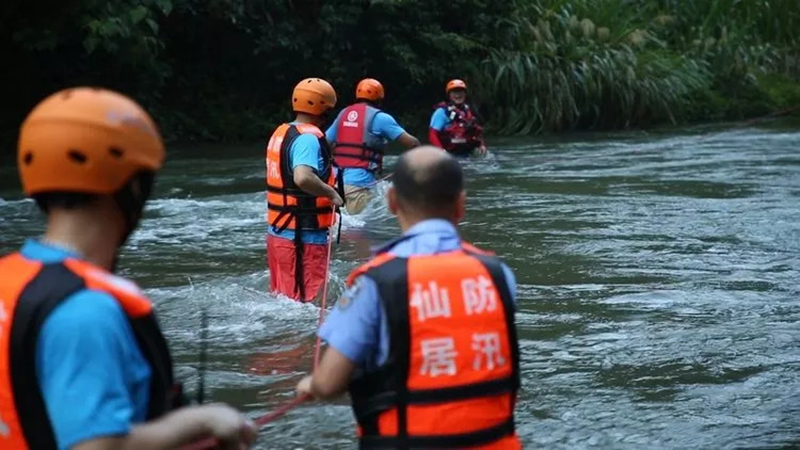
(273,169)
(5,430)
(438,357)
(431,302)
(350,121)
(3,314)
(487,348)
(478,295)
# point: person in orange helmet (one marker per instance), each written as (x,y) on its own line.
(359,136)
(455,125)
(301,192)
(83,363)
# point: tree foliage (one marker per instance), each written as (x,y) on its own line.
(223,69)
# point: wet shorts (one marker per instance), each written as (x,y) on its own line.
(281,259)
(356,198)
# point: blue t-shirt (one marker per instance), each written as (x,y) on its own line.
(359,329)
(305,151)
(439,119)
(384,126)
(94,379)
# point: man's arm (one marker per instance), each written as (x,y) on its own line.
(352,332)
(479,120)
(331,377)
(407,140)
(332,131)
(387,126)
(180,428)
(433,137)
(306,179)
(305,154)
(86,356)
(438,122)
(511,280)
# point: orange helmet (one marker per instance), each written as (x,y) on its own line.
(369,89)
(313,96)
(455,84)
(86,140)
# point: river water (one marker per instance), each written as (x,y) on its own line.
(658,284)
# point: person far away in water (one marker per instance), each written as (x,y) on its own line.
(301,191)
(455,125)
(359,136)
(83,363)
(424,336)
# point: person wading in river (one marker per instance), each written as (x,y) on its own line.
(359,136)
(424,337)
(84,364)
(455,125)
(301,189)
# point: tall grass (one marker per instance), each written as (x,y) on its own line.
(619,63)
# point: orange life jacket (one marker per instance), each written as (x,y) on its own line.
(452,374)
(288,206)
(29,292)
(355,146)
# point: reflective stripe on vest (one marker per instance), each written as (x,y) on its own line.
(29,292)
(288,206)
(453,370)
(355,146)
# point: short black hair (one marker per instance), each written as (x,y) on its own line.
(64,200)
(434,188)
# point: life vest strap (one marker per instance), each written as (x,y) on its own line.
(361,146)
(369,409)
(456,393)
(294,192)
(386,400)
(368,153)
(54,284)
(475,438)
(294,212)
(299,210)
(362,157)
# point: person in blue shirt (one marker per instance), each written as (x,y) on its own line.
(301,193)
(89,367)
(359,135)
(428,200)
(455,125)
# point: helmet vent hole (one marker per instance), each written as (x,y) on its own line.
(310,102)
(76,156)
(116,152)
(28,158)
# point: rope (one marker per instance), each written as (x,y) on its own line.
(212,442)
(372,184)
(324,300)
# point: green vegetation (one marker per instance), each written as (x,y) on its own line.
(223,69)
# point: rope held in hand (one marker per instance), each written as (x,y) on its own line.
(212,442)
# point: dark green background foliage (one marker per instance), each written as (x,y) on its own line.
(223,69)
